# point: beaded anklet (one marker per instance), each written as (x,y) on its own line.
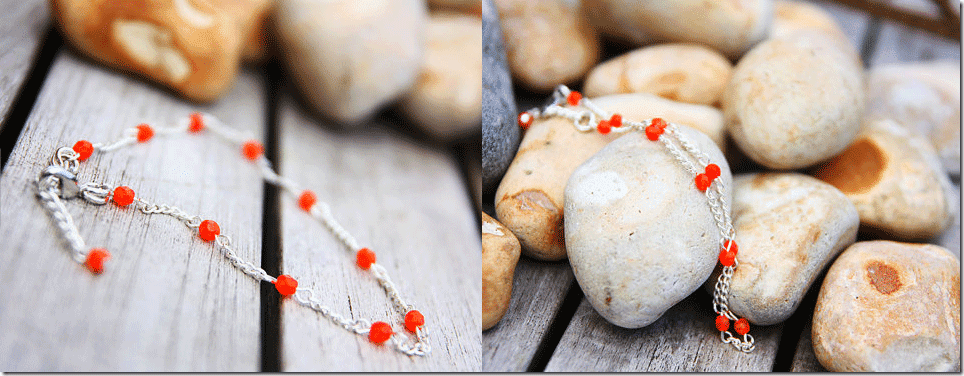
(58,182)
(693,160)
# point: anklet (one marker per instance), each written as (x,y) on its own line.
(58,182)
(693,160)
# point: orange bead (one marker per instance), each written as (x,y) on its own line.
(722,323)
(144,133)
(574,98)
(95,260)
(413,320)
(197,122)
(84,148)
(712,171)
(380,332)
(286,285)
(252,150)
(653,132)
(703,182)
(659,123)
(365,258)
(616,121)
(123,196)
(742,326)
(604,126)
(307,200)
(728,256)
(208,230)
(525,120)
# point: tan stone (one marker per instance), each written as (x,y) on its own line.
(192,47)
(789,227)
(887,306)
(446,100)
(548,42)
(791,17)
(681,72)
(795,101)
(463,6)
(730,27)
(895,180)
(500,253)
(529,199)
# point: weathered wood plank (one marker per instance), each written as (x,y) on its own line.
(683,340)
(538,291)
(407,203)
(167,301)
(22,27)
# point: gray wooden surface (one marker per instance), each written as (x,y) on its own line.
(407,203)
(22,27)
(167,301)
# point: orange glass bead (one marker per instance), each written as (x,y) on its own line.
(703,182)
(379,332)
(742,326)
(413,320)
(365,258)
(712,171)
(307,200)
(574,98)
(197,123)
(659,123)
(653,132)
(84,148)
(123,196)
(95,260)
(722,323)
(208,230)
(728,256)
(616,121)
(144,133)
(252,150)
(525,120)
(603,126)
(286,285)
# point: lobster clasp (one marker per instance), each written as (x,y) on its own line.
(67,180)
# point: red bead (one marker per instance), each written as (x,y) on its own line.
(659,123)
(95,260)
(84,148)
(286,285)
(525,120)
(144,133)
(652,132)
(252,150)
(365,258)
(380,332)
(604,126)
(209,230)
(197,122)
(574,98)
(703,182)
(727,256)
(123,196)
(307,200)
(712,171)
(722,323)
(616,121)
(742,326)
(413,320)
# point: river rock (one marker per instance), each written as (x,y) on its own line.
(640,235)
(789,227)
(730,27)
(791,17)
(682,72)
(350,57)
(500,127)
(529,200)
(793,102)
(446,99)
(191,47)
(549,42)
(890,307)
(925,97)
(500,253)
(895,180)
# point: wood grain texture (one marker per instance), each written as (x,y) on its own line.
(538,290)
(406,202)
(682,340)
(167,300)
(22,27)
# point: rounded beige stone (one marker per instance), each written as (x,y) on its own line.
(640,235)
(789,227)
(500,253)
(888,306)
(895,180)
(793,102)
(791,17)
(548,42)
(682,72)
